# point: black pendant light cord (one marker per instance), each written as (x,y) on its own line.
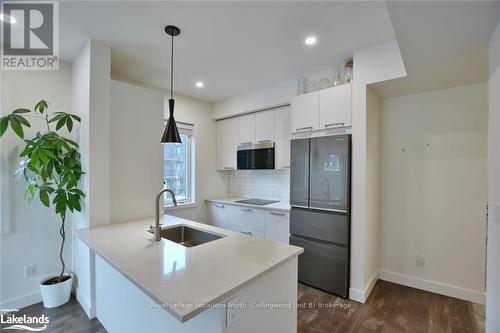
(172,71)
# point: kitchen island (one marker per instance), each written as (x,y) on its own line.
(236,283)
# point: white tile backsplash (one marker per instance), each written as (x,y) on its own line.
(261,184)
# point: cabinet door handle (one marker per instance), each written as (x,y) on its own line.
(277,214)
(304,128)
(228,168)
(246,232)
(219,206)
(246,210)
(264,141)
(334,125)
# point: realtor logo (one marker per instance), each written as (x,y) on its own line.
(30,35)
(23,323)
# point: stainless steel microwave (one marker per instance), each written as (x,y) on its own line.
(255,156)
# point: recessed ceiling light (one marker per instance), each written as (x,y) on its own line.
(199,84)
(7,18)
(311,40)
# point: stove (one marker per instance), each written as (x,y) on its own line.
(259,202)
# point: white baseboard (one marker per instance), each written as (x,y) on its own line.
(85,304)
(356,295)
(22,301)
(362,295)
(433,286)
(371,284)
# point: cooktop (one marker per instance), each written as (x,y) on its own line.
(260,202)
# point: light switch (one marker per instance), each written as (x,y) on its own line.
(232,311)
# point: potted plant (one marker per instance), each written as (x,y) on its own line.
(50,165)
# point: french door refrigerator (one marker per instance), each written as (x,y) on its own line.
(320,194)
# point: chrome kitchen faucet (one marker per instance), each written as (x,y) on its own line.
(157,227)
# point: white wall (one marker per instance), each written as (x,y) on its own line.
(33,236)
(493,278)
(90,84)
(375,64)
(434,172)
(5,178)
(135,150)
(209,183)
(267,97)
(373,183)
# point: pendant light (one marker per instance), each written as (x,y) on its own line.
(171,134)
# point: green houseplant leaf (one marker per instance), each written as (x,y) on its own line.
(21,111)
(69,123)
(44,198)
(4,123)
(16,127)
(41,106)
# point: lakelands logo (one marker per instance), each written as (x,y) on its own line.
(24,322)
(30,35)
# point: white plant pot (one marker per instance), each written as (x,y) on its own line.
(56,294)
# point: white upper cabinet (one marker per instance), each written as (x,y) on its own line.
(282,138)
(246,129)
(305,112)
(335,107)
(264,126)
(260,127)
(324,109)
(227,142)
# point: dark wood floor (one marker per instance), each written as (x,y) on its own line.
(390,308)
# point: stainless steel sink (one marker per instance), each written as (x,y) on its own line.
(188,236)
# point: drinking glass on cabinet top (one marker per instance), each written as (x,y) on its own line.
(301,86)
(337,76)
(347,74)
(312,86)
(325,83)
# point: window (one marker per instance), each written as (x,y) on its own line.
(178,168)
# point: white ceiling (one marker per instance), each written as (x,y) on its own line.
(234,47)
(443,44)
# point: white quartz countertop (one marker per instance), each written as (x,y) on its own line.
(281,205)
(185,280)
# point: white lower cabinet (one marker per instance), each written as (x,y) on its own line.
(251,232)
(268,224)
(245,217)
(277,226)
(217,214)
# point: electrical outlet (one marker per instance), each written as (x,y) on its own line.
(420,261)
(496,213)
(29,270)
(232,311)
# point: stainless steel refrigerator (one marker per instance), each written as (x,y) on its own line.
(320,195)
